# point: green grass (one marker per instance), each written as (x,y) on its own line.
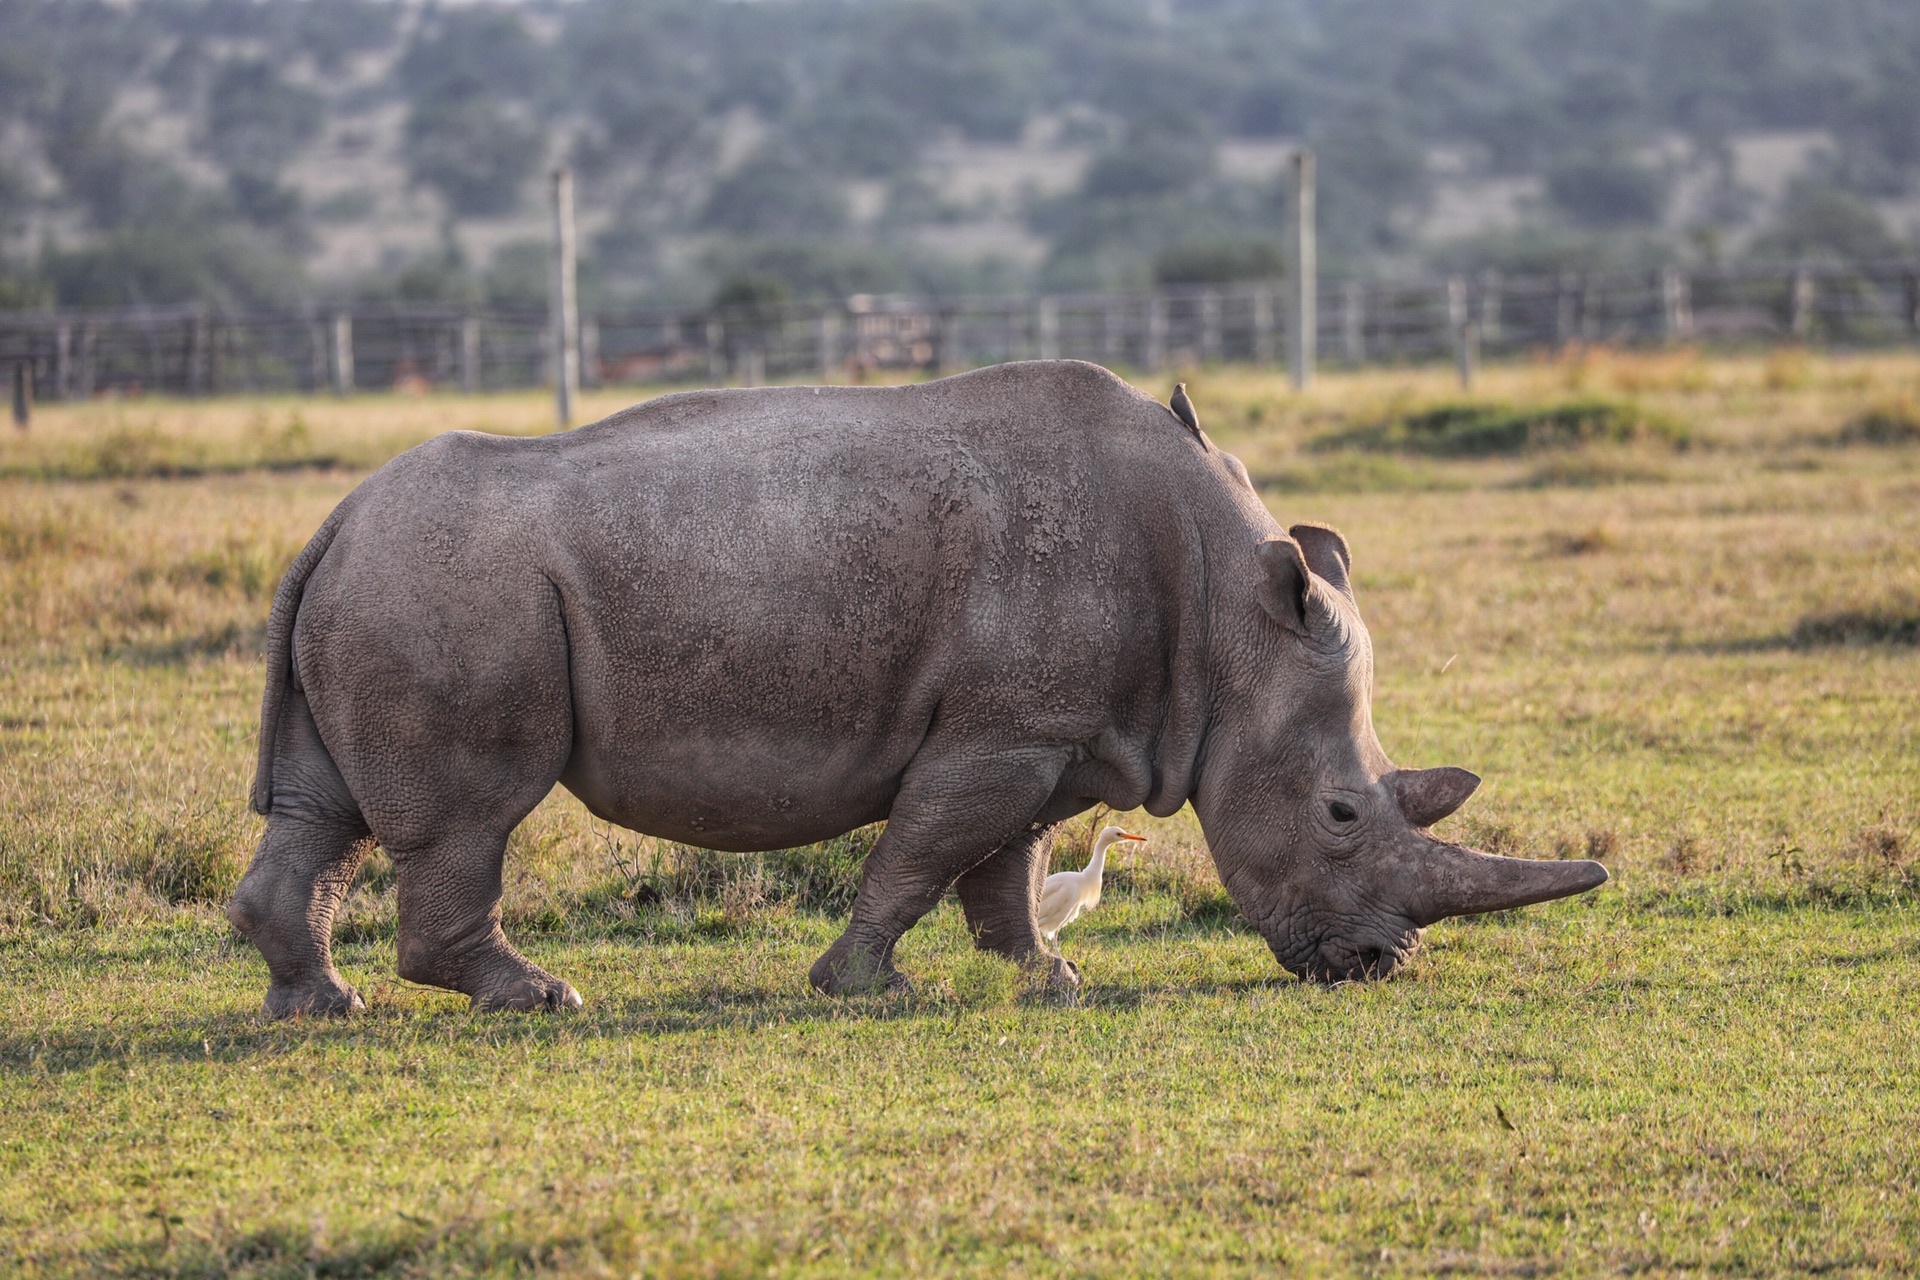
(1700,665)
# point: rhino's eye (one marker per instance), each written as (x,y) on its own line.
(1340,811)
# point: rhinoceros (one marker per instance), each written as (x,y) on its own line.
(750,619)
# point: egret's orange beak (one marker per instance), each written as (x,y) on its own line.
(1128,835)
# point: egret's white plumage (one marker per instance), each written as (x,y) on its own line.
(1068,893)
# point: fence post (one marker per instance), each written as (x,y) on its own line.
(1112,333)
(63,362)
(343,353)
(1304,322)
(1156,333)
(86,362)
(1676,303)
(1565,299)
(469,353)
(827,342)
(564,304)
(22,394)
(590,353)
(1800,302)
(196,369)
(1462,333)
(1263,325)
(716,352)
(1353,322)
(1046,324)
(1210,327)
(1490,282)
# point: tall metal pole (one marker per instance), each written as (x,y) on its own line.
(564,305)
(1306,272)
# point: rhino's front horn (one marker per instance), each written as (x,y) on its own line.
(1464,882)
(1427,795)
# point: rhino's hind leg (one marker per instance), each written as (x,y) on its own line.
(450,926)
(315,841)
(1001,899)
(953,811)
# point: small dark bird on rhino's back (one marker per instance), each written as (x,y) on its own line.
(1183,408)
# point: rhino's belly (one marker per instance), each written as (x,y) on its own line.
(766,790)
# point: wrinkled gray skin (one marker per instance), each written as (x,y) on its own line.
(753,619)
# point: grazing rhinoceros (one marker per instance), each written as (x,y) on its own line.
(753,619)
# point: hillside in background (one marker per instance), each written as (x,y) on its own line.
(243,152)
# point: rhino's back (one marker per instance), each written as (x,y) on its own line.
(764,600)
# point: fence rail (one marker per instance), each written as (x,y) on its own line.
(204,351)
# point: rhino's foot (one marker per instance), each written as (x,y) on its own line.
(1062,973)
(327,998)
(488,970)
(531,993)
(847,972)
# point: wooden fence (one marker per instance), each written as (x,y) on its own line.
(201,351)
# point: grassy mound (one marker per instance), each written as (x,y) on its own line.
(1854,627)
(1895,422)
(1466,430)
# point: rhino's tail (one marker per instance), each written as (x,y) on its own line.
(286,606)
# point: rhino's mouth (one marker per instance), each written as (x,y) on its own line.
(1368,958)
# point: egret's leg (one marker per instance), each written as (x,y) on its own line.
(954,810)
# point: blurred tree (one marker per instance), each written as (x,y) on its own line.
(465,70)
(184,262)
(758,296)
(1227,261)
(776,196)
(520,275)
(474,151)
(812,270)
(460,51)
(1816,222)
(864,137)
(940,65)
(1608,189)
(1372,176)
(256,121)
(1166,154)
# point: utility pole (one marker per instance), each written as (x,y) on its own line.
(1306,272)
(564,305)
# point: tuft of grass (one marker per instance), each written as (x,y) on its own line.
(1474,429)
(1893,422)
(1897,625)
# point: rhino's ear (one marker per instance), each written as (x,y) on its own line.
(1326,554)
(1284,583)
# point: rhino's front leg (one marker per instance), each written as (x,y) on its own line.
(954,810)
(1001,898)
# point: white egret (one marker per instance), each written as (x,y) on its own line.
(1068,893)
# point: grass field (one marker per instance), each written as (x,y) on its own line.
(1667,605)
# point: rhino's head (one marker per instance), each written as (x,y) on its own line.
(1322,842)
